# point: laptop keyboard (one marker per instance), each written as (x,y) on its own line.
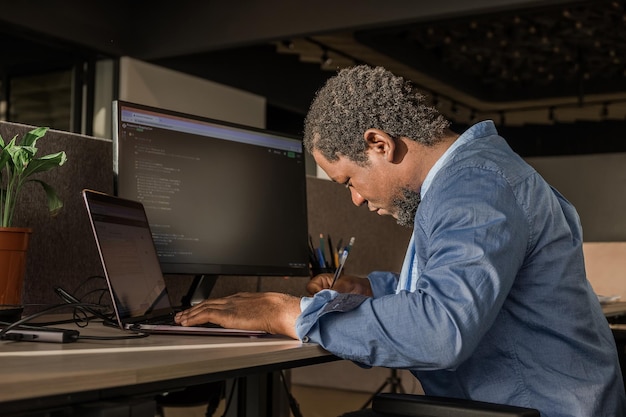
(169,321)
(162,320)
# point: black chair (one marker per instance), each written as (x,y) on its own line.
(392,404)
(209,394)
(619,333)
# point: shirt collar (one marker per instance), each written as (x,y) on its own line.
(478,130)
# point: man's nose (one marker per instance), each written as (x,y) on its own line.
(357,199)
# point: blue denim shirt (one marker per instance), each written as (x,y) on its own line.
(492,302)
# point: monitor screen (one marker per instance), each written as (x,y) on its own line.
(221,199)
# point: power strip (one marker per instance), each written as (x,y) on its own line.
(42,335)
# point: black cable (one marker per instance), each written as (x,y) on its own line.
(57,322)
(24,320)
(108,319)
(104,291)
(89,278)
(214,400)
(293,404)
(19,323)
(230,397)
(72,300)
(49,323)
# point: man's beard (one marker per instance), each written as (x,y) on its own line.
(406,207)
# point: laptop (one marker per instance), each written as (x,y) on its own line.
(132,270)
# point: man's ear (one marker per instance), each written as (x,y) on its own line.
(380,143)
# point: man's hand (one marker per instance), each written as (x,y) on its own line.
(271,312)
(345,284)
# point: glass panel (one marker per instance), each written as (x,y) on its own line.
(42,100)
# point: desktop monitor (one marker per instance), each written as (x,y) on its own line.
(221,199)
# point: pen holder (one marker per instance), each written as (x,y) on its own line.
(320,263)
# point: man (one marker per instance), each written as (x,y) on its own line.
(492,302)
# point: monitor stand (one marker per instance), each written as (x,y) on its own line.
(199,290)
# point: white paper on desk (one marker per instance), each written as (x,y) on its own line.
(606,299)
(55,351)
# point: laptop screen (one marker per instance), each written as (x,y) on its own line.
(128,256)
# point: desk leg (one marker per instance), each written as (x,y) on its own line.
(620,343)
(260,395)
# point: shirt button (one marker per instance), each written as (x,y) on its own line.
(305,339)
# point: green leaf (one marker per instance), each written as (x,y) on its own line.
(4,159)
(54,202)
(6,156)
(17,164)
(45,163)
(21,156)
(30,138)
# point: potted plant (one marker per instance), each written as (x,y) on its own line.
(18,164)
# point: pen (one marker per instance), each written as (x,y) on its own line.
(312,251)
(320,258)
(333,253)
(342,261)
(320,252)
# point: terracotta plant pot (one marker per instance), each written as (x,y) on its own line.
(13,249)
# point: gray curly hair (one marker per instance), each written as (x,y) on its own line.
(364,97)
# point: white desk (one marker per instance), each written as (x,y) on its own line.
(36,376)
(614,310)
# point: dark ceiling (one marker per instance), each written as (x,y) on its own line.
(517,55)
(487,55)
(574,51)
